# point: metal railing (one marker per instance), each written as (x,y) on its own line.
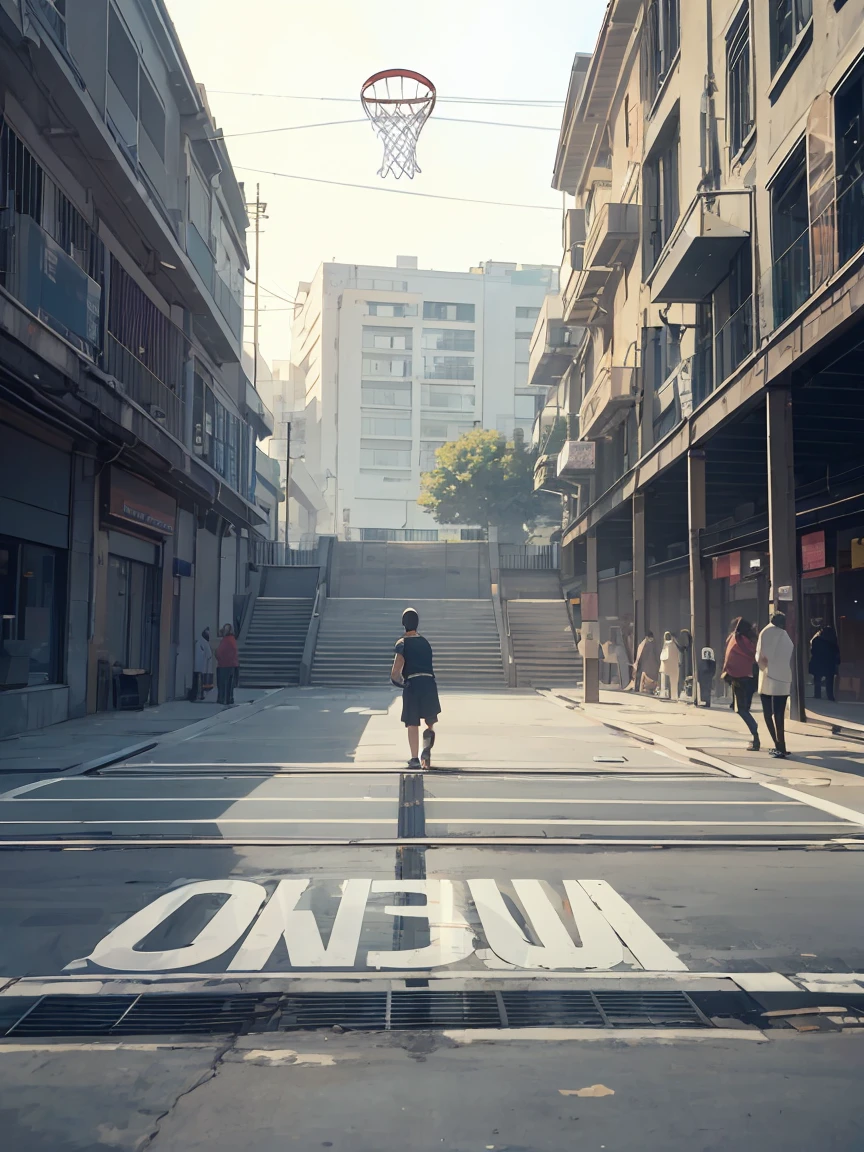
(717,356)
(141,385)
(536,557)
(278,554)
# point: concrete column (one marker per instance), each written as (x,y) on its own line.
(782,540)
(590,625)
(698,583)
(640,603)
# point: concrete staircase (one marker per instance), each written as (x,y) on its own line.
(273,648)
(356,638)
(544,649)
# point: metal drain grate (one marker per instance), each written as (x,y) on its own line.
(140,1015)
(413,1009)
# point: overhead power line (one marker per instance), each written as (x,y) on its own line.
(398,191)
(353,100)
(363,120)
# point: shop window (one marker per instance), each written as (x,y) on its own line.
(32,582)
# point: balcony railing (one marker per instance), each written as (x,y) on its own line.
(717,357)
(137,382)
(791,278)
(52,18)
(202,258)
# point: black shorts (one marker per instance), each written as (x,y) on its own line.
(420,702)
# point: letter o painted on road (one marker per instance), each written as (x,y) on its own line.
(117,949)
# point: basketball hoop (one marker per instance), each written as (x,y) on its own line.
(398,102)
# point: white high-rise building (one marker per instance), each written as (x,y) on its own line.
(395,362)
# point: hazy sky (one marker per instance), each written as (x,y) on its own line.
(315,48)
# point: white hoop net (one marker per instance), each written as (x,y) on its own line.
(398,103)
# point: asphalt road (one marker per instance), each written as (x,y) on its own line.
(291,854)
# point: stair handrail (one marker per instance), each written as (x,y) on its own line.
(312,631)
(252,594)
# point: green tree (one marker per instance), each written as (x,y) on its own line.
(481,478)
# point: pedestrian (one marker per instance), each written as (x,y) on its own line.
(707,668)
(774,657)
(824,661)
(413,671)
(647,668)
(202,667)
(670,667)
(738,673)
(617,657)
(227,665)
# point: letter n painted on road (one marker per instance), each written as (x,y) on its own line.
(281,918)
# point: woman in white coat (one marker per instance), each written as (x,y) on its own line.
(774,658)
(670,667)
(202,667)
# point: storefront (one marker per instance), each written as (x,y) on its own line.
(137,520)
(34,542)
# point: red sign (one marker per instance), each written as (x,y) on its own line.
(590,606)
(728,567)
(813,551)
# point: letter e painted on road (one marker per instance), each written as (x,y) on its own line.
(450,934)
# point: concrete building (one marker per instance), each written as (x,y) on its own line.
(127,425)
(710,455)
(395,362)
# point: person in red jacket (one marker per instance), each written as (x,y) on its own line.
(738,671)
(227,666)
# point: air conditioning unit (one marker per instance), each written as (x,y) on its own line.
(574,228)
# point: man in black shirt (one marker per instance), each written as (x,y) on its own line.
(413,672)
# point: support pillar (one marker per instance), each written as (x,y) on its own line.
(698,587)
(590,624)
(782,539)
(640,603)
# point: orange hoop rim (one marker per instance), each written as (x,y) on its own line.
(406,73)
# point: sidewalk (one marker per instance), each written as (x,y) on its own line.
(62,747)
(817,759)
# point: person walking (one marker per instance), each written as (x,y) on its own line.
(738,663)
(707,668)
(413,672)
(202,667)
(227,665)
(647,668)
(824,661)
(774,657)
(670,667)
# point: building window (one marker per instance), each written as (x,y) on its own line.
(449,339)
(387,339)
(385,454)
(788,20)
(471,534)
(443,429)
(443,396)
(386,366)
(661,43)
(379,395)
(427,535)
(437,310)
(524,409)
(428,458)
(379,308)
(790,235)
(32,586)
(849,134)
(382,285)
(661,199)
(738,81)
(371,425)
(448,367)
(220,437)
(523,313)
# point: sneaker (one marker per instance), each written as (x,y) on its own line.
(414,763)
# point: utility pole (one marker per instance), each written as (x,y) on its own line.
(258,210)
